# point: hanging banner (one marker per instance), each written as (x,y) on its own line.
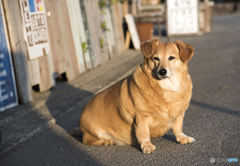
(8,94)
(182,17)
(35,27)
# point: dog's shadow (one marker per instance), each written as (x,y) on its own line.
(78,139)
(168,137)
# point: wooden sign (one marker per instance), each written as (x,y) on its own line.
(182,17)
(35,27)
(8,94)
(133,31)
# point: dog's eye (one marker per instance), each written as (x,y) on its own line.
(171,58)
(156,58)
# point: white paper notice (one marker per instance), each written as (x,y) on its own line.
(182,17)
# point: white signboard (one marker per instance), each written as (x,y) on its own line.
(35,27)
(182,17)
(133,31)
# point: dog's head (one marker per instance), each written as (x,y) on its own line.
(162,59)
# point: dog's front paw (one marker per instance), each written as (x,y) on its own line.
(148,147)
(183,139)
(186,140)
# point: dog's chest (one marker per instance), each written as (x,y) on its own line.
(160,125)
(172,84)
(164,118)
(165,112)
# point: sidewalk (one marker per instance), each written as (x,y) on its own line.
(23,122)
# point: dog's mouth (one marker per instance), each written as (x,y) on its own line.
(162,77)
(159,77)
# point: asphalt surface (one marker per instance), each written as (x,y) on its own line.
(213,117)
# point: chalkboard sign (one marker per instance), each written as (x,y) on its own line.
(182,17)
(8,94)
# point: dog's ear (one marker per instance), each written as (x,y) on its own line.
(185,50)
(147,47)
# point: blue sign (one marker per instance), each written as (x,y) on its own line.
(8,96)
(31,5)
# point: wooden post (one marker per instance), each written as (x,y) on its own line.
(127,40)
(76,35)
(93,25)
(125,8)
(207,16)
(55,38)
(134,8)
(19,51)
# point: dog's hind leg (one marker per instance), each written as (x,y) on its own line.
(92,140)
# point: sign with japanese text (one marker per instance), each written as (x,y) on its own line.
(35,27)
(182,17)
(8,94)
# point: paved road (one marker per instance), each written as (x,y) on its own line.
(213,117)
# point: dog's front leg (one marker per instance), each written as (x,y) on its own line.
(177,130)
(143,135)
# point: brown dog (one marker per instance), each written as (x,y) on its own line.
(146,104)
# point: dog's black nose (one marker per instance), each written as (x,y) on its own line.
(163,72)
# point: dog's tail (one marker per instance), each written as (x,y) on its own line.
(76,132)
